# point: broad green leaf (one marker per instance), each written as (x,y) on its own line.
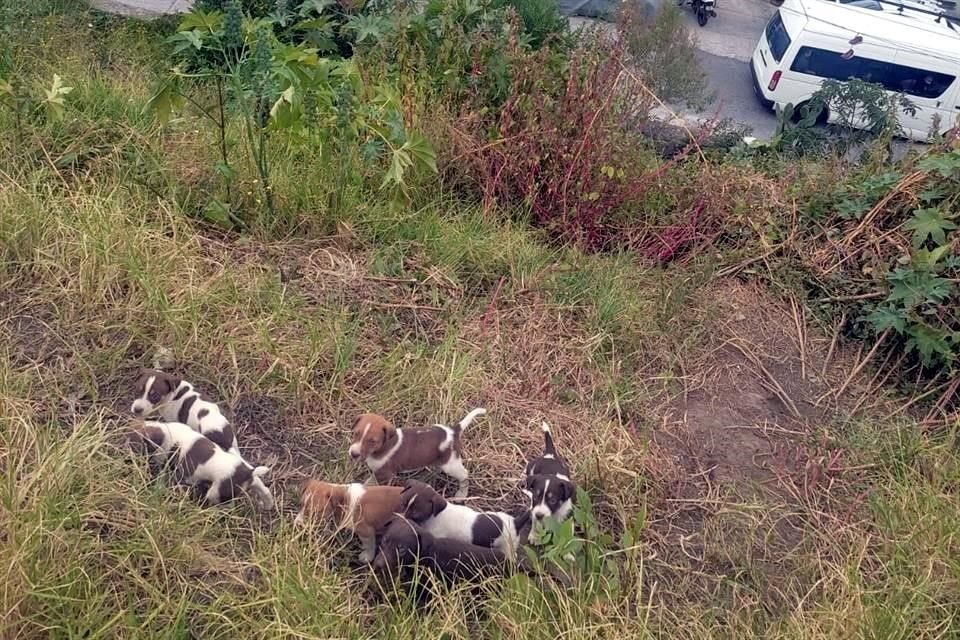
(422,151)
(883,318)
(366,27)
(225,170)
(400,161)
(166,99)
(198,19)
(946,164)
(929,258)
(930,344)
(186,39)
(53,100)
(912,287)
(315,6)
(218,213)
(929,223)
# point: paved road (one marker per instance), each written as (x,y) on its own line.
(142,8)
(725,46)
(730,78)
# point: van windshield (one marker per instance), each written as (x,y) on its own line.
(777,37)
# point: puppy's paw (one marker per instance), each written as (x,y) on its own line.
(366,557)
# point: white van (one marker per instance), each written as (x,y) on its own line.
(906,51)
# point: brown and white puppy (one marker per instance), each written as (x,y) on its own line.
(364,510)
(200,462)
(175,400)
(548,483)
(406,545)
(388,450)
(442,519)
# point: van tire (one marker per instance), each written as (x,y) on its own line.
(821,118)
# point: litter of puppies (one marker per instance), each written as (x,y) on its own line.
(417,528)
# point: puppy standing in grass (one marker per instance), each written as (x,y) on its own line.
(176,401)
(388,450)
(548,483)
(200,462)
(364,510)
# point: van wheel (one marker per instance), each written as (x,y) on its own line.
(822,117)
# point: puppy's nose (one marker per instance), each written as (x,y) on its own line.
(354,454)
(538,516)
(138,410)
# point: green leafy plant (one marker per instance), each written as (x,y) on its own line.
(584,550)
(279,89)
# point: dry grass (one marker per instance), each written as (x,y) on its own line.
(685,403)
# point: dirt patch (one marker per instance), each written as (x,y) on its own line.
(747,433)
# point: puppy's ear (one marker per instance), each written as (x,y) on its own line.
(528,483)
(438,502)
(389,431)
(566,490)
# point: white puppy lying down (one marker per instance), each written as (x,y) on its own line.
(199,462)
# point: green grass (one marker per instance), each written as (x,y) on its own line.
(419,314)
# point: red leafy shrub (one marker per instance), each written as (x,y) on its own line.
(565,146)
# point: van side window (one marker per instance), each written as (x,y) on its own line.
(893,77)
(777,37)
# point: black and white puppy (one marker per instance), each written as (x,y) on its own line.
(175,400)
(548,483)
(441,519)
(406,546)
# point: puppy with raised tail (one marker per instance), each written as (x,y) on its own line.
(442,519)
(362,509)
(200,462)
(388,450)
(548,483)
(175,400)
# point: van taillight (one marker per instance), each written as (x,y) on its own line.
(774,80)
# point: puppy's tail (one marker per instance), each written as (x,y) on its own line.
(469,418)
(548,448)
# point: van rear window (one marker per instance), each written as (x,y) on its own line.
(777,37)
(894,77)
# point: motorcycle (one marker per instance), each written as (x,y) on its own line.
(704,9)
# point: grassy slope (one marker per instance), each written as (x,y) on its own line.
(399,312)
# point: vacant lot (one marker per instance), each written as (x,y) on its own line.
(746,477)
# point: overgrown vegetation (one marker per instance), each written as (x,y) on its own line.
(713,335)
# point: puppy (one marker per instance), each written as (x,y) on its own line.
(176,401)
(406,545)
(548,483)
(388,450)
(364,510)
(199,462)
(442,519)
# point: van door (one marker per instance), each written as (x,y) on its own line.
(932,89)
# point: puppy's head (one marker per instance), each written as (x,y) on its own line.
(258,490)
(152,389)
(143,438)
(320,501)
(402,543)
(371,434)
(548,495)
(420,501)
